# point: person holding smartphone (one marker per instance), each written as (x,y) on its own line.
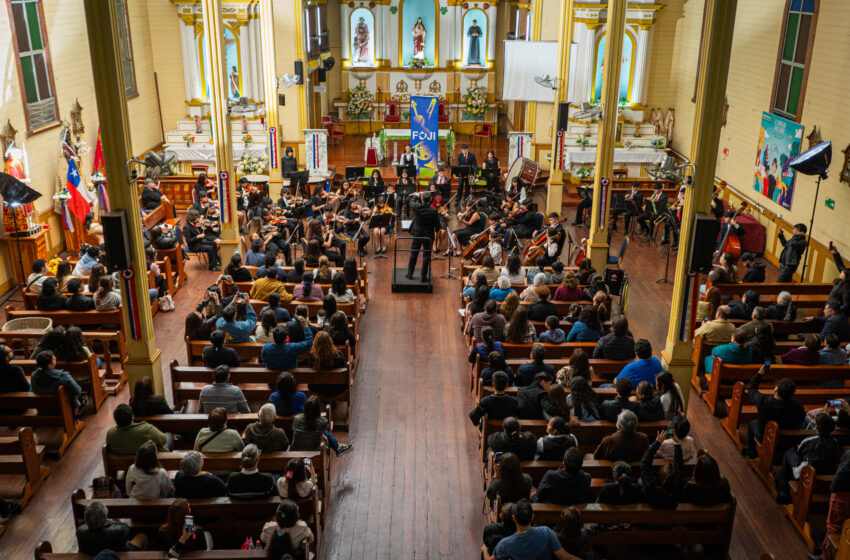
(180,534)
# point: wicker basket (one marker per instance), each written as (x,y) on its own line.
(41,324)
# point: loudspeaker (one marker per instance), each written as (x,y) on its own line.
(321,77)
(299,70)
(706,228)
(281,99)
(116,240)
(563,115)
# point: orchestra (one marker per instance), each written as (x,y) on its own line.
(654,206)
(472,223)
(491,163)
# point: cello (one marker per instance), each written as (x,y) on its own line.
(731,242)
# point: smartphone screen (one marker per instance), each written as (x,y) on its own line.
(766,366)
(497,456)
(835,404)
(308,463)
(190,524)
(670,432)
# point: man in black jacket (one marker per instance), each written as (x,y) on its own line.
(534,398)
(526,373)
(442,184)
(617,345)
(779,407)
(218,354)
(465,157)
(792,251)
(425,223)
(497,406)
(654,206)
(567,486)
(612,408)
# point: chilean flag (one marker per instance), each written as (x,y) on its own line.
(78,203)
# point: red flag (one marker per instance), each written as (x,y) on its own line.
(98,166)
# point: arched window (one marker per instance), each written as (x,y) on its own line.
(795,51)
(626,70)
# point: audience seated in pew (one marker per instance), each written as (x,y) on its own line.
(235,271)
(270,262)
(281,354)
(307,290)
(222,394)
(707,487)
(100,533)
(286,399)
(618,344)
(583,400)
(250,483)
(783,309)
(264,434)
(509,482)
(762,343)
(588,328)
(265,327)
(217,437)
(78,301)
(340,290)
(299,480)
(236,329)
(498,292)
(534,398)
(542,308)
(527,541)
(46,379)
(12,377)
(681,427)
(832,354)
(273,305)
(526,373)
(512,440)
(106,298)
(821,451)
(672,400)
(834,320)
(126,437)
(487,345)
(268,284)
(806,355)
(145,478)
(612,408)
(565,486)
(218,354)
(174,537)
(520,330)
(624,490)
(779,407)
(663,488)
(649,404)
(64,273)
(644,367)
(553,334)
(839,507)
(489,317)
(718,331)
(569,289)
(310,427)
(757,319)
(287,532)
(499,405)
(49,299)
(192,482)
(38,275)
(87,260)
(626,444)
(556,442)
(735,351)
(578,366)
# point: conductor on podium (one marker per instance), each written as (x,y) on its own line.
(425,224)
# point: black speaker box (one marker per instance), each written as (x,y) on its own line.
(322,77)
(563,115)
(116,239)
(706,228)
(281,99)
(299,70)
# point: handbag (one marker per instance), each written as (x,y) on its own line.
(166,303)
(105,487)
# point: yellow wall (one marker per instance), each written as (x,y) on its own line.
(751,73)
(151,24)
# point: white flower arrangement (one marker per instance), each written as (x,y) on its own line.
(249,165)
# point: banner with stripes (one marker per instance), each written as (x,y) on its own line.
(273,159)
(224,196)
(135,321)
(604,183)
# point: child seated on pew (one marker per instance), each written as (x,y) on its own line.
(287,533)
(552,334)
(299,480)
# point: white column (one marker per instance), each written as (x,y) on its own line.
(191,63)
(492,14)
(586,39)
(257,60)
(378,38)
(345,15)
(248,69)
(641,55)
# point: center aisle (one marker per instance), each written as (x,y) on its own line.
(409,488)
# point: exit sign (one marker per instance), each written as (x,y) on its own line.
(829,203)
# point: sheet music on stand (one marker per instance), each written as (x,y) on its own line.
(411,170)
(461,171)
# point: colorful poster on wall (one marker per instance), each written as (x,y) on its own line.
(424,123)
(779,142)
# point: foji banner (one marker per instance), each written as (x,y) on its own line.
(779,143)
(424,138)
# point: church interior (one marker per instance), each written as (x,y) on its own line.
(527,238)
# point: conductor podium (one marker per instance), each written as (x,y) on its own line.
(403,247)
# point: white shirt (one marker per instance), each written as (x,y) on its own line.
(34,282)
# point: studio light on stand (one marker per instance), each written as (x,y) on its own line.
(814,161)
(15,193)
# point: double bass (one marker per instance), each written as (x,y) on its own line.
(731,242)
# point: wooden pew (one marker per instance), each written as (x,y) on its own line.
(165,211)
(723,377)
(81,319)
(841,542)
(361,272)
(85,373)
(19,455)
(249,352)
(177,269)
(24,342)
(809,497)
(227,519)
(245,287)
(44,551)
(739,414)
(687,524)
(768,289)
(596,469)
(553,351)
(52,410)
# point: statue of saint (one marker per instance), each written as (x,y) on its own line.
(234,82)
(474,34)
(419,34)
(361,42)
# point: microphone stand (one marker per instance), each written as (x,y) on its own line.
(453,247)
(668,248)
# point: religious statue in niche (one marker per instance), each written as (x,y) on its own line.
(845,169)
(361,42)
(419,34)
(234,82)
(474,34)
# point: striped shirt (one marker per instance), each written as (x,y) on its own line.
(223,394)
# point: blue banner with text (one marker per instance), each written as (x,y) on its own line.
(424,135)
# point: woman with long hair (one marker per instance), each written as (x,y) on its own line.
(649,405)
(49,299)
(75,350)
(263,333)
(64,272)
(285,535)
(670,394)
(313,252)
(520,330)
(310,427)
(349,271)
(579,366)
(297,271)
(495,362)
(340,290)
(53,340)
(196,328)
(12,378)
(509,306)
(324,355)
(299,480)
(512,439)
(587,328)
(307,290)
(762,344)
(487,345)
(106,298)
(236,271)
(624,490)
(662,488)
(92,227)
(514,270)
(479,298)
(337,328)
(600,304)
(144,402)
(557,396)
(475,281)
(323,273)
(146,479)
(173,535)
(287,400)
(707,487)
(509,483)
(583,400)
(97,271)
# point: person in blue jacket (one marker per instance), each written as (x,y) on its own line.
(282,354)
(644,368)
(736,352)
(237,331)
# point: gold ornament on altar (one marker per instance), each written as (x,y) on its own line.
(435,87)
(401,86)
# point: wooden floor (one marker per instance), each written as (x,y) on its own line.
(411,488)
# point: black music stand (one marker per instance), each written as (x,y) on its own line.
(462,172)
(354,172)
(297,180)
(380,221)
(411,171)
(491,175)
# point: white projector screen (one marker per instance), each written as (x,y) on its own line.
(524,61)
